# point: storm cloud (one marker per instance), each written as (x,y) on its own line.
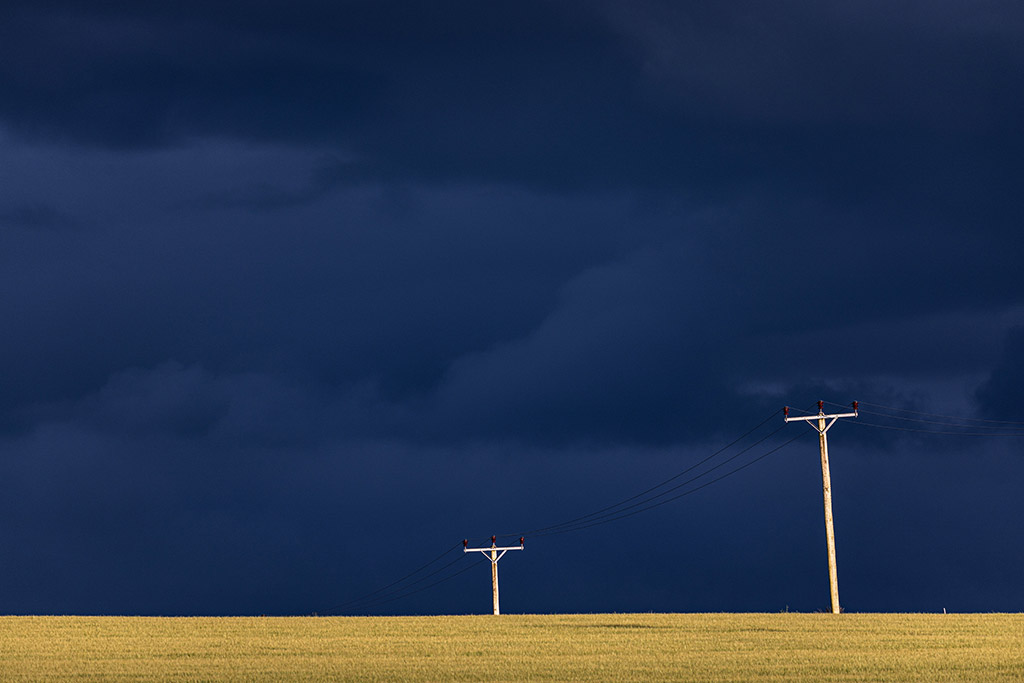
(287,283)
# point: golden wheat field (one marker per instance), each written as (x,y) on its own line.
(595,647)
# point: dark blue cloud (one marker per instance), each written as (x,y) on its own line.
(999,395)
(653,94)
(286,282)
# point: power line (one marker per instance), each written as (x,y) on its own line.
(598,513)
(595,519)
(919,420)
(946,418)
(384,601)
(681,495)
(936,431)
(643,501)
(997,428)
(400,588)
(414,572)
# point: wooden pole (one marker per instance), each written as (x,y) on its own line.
(830,535)
(494,553)
(826,486)
(494,579)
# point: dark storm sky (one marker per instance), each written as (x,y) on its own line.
(295,295)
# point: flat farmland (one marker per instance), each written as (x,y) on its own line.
(594,647)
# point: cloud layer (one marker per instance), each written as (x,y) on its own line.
(284,281)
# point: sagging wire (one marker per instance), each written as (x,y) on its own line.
(406,586)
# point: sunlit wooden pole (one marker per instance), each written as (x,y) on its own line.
(494,580)
(830,534)
(826,484)
(493,555)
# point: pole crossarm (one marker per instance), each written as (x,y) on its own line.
(488,549)
(808,418)
(811,419)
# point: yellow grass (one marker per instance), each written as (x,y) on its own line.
(599,647)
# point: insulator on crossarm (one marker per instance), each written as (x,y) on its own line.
(465,543)
(821,406)
(494,539)
(522,541)
(855,404)
(785,411)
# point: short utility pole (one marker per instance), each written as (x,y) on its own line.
(826,482)
(493,555)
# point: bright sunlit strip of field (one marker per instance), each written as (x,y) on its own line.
(595,647)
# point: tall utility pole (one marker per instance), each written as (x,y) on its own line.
(826,483)
(492,554)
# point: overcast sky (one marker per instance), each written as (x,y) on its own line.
(297,295)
